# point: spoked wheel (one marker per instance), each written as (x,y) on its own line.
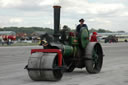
(94,57)
(70,68)
(69,64)
(43,66)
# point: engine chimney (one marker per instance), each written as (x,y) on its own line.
(56,22)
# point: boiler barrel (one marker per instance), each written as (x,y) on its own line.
(67,50)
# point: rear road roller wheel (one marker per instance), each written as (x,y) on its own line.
(46,63)
(94,58)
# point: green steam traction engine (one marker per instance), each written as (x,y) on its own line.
(57,57)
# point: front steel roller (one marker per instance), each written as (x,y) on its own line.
(94,57)
(44,66)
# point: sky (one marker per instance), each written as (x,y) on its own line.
(106,14)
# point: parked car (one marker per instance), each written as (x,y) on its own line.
(111,39)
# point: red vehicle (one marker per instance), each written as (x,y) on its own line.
(11,37)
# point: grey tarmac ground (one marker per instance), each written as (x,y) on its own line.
(114,71)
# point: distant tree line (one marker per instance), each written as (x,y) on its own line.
(100,30)
(29,30)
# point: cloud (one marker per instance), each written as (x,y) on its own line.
(125,14)
(22,5)
(47,2)
(99,8)
(101,20)
(97,13)
(15,20)
(85,7)
(10,3)
(79,7)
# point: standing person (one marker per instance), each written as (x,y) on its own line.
(93,37)
(78,28)
(2,41)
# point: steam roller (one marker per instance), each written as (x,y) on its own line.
(64,54)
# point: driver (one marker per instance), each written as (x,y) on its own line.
(78,28)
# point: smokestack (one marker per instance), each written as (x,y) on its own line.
(56,22)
